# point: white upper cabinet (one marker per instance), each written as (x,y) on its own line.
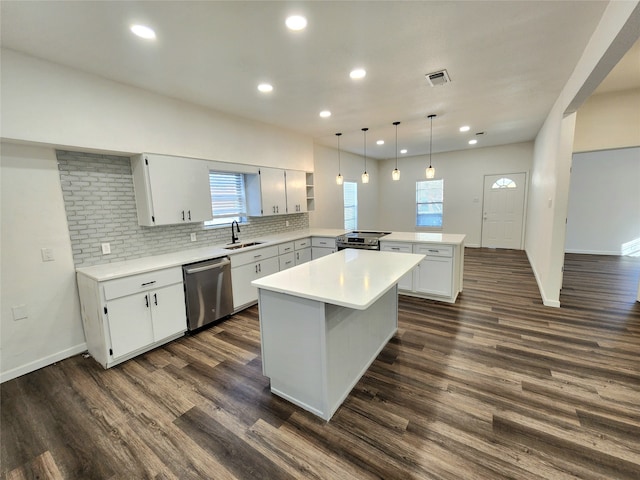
(266,194)
(171,190)
(296,182)
(275,192)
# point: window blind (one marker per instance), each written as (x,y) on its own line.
(227,197)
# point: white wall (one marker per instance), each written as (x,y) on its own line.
(329,200)
(47,103)
(549,188)
(33,217)
(608,120)
(604,203)
(463,172)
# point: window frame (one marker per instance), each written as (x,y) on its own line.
(354,206)
(239,216)
(441,203)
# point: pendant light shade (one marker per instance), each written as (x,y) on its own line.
(395,175)
(339,178)
(430,172)
(365,175)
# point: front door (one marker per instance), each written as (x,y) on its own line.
(503,210)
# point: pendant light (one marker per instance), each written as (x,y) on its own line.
(365,175)
(395,175)
(431,172)
(339,178)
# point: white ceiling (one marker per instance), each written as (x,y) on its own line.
(507,60)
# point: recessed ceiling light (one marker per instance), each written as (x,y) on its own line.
(296,22)
(404,150)
(465,128)
(325,113)
(358,73)
(143,31)
(473,141)
(265,87)
(380,142)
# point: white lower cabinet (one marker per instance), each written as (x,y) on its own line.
(287,260)
(302,250)
(434,275)
(130,315)
(303,255)
(321,246)
(249,266)
(438,276)
(406,282)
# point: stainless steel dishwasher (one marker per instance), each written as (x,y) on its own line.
(208,293)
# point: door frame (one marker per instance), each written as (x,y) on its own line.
(524,204)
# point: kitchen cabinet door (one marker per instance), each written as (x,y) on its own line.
(242,276)
(130,325)
(303,255)
(171,190)
(168,311)
(266,194)
(296,188)
(433,276)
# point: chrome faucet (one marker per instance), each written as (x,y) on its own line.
(234,238)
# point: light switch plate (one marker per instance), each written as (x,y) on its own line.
(193,237)
(19,312)
(47,254)
(106,249)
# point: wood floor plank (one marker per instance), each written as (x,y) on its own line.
(494,386)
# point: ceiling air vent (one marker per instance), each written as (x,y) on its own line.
(438,78)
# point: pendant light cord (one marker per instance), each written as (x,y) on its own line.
(365,149)
(396,124)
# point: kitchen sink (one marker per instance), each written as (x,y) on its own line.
(236,246)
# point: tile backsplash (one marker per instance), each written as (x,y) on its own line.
(100,204)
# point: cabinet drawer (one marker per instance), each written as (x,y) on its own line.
(287,261)
(396,247)
(256,255)
(141,282)
(432,250)
(302,243)
(325,242)
(285,248)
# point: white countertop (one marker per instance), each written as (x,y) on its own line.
(109,271)
(425,237)
(350,278)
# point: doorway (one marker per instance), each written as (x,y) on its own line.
(503,210)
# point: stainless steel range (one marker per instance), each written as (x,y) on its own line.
(360,239)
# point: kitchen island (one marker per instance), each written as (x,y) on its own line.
(323,323)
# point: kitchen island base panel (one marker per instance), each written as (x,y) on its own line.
(314,353)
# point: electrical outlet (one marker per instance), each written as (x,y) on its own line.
(106,248)
(193,237)
(286,223)
(47,254)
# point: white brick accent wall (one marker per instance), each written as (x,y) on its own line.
(100,204)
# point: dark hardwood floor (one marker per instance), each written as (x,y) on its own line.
(496,386)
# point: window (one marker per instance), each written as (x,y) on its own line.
(429,202)
(350,205)
(227,198)
(504,183)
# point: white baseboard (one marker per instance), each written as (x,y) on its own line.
(591,252)
(42,362)
(545,301)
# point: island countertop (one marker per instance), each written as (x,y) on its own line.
(349,278)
